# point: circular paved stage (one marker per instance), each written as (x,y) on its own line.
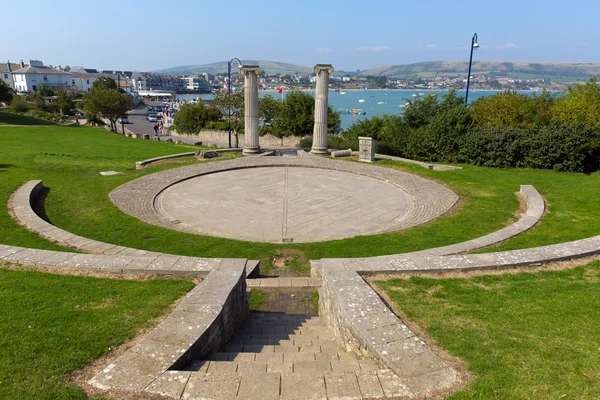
(280,199)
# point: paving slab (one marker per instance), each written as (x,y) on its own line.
(342,386)
(296,386)
(171,383)
(259,385)
(209,386)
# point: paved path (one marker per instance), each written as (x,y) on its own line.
(279,357)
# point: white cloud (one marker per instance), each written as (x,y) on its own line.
(507,46)
(429,47)
(374,48)
(324,50)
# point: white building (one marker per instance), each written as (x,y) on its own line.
(29,78)
(6,70)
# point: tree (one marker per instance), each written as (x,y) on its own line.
(104,82)
(269,110)
(234,103)
(580,105)
(5,93)
(108,103)
(191,118)
(65,102)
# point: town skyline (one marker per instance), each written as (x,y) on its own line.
(350,35)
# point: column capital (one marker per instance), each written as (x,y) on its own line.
(245,68)
(320,67)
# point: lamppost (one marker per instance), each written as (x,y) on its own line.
(474,46)
(229,64)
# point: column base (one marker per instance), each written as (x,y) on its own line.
(319,152)
(251,150)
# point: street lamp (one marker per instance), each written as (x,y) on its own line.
(474,46)
(229,64)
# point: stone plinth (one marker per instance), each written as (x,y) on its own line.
(250,72)
(321,107)
(366,149)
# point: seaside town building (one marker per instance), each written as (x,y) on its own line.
(30,77)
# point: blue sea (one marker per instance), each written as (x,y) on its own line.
(371,102)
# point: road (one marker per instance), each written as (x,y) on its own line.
(139,125)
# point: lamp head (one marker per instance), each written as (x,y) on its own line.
(475,46)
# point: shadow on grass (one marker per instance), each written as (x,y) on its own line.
(6,166)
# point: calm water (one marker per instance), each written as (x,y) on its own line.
(373,101)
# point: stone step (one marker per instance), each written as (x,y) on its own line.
(284,282)
(314,384)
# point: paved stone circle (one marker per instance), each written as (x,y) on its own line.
(286,204)
(284,199)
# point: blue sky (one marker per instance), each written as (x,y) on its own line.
(351,35)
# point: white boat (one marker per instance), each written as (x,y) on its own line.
(421,94)
(380,102)
(342,92)
(361,100)
(414,95)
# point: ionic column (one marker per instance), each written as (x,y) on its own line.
(250,72)
(319,145)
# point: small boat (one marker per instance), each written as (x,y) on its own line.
(421,94)
(380,102)
(361,100)
(414,95)
(342,92)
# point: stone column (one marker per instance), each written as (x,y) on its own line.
(250,72)
(319,145)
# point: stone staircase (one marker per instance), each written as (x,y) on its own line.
(287,356)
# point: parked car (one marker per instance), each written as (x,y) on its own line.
(123,120)
(151,117)
(158,109)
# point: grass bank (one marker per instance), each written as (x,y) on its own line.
(51,325)
(69,159)
(523,336)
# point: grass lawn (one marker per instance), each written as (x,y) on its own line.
(51,325)
(69,159)
(523,336)
(7,118)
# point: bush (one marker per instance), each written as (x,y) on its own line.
(580,105)
(192,118)
(333,142)
(19,105)
(513,110)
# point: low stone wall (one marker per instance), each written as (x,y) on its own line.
(223,136)
(205,319)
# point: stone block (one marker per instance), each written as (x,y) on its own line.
(206,154)
(303,386)
(341,153)
(342,386)
(366,151)
(259,385)
(171,383)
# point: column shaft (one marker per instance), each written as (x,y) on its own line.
(319,145)
(251,145)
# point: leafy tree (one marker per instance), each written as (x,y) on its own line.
(233,104)
(269,111)
(104,82)
(581,104)
(44,91)
(512,110)
(65,101)
(107,102)
(297,115)
(5,93)
(191,118)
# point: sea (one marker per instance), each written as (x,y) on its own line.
(367,103)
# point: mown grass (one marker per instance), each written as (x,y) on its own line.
(8,118)
(69,159)
(523,336)
(51,325)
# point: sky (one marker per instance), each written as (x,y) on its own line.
(352,35)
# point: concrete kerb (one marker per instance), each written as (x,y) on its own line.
(435,167)
(145,163)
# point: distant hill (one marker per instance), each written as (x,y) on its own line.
(270,67)
(551,70)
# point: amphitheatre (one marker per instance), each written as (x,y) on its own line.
(210,346)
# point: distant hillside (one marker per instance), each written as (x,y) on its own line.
(551,70)
(270,67)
